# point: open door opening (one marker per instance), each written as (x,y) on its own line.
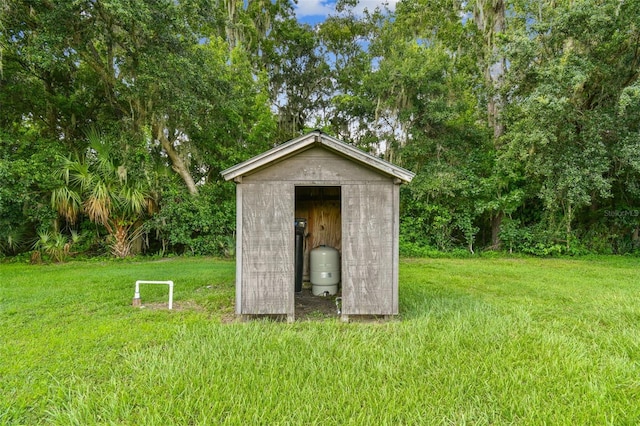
(319,207)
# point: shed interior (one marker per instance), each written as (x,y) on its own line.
(321,207)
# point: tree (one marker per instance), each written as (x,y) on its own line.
(26,168)
(571,64)
(299,79)
(519,117)
(101,186)
(425,109)
(155,70)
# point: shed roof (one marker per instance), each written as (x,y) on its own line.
(316,138)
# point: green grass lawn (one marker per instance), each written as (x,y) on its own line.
(479,341)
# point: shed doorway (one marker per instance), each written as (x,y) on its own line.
(320,207)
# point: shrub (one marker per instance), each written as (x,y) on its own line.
(197,225)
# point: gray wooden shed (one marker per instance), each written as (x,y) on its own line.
(351,200)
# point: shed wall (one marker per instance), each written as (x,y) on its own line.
(369,278)
(266,282)
(316,165)
(266,236)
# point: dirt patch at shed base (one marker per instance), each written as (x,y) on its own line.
(310,307)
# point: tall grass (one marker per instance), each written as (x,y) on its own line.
(479,341)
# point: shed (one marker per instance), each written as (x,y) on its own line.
(351,202)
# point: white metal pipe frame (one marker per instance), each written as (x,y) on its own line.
(136,296)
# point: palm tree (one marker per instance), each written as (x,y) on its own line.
(99,187)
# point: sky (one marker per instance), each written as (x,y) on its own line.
(314,11)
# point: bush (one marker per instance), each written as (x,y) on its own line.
(196,225)
(411,249)
(537,239)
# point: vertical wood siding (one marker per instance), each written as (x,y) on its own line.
(366,230)
(267,248)
(367,249)
(239,257)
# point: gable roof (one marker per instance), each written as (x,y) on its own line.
(316,138)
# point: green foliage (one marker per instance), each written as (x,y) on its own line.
(202,225)
(26,168)
(12,242)
(56,245)
(537,240)
(298,76)
(519,111)
(568,139)
(101,186)
(571,86)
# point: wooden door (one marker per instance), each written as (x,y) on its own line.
(367,250)
(267,251)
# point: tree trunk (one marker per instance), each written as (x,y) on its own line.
(177,163)
(121,246)
(496,222)
(569,219)
(489,17)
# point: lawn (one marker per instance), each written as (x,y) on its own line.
(479,341)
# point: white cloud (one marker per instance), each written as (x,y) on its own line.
(306,8)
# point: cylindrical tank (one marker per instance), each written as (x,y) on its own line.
(324,267)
